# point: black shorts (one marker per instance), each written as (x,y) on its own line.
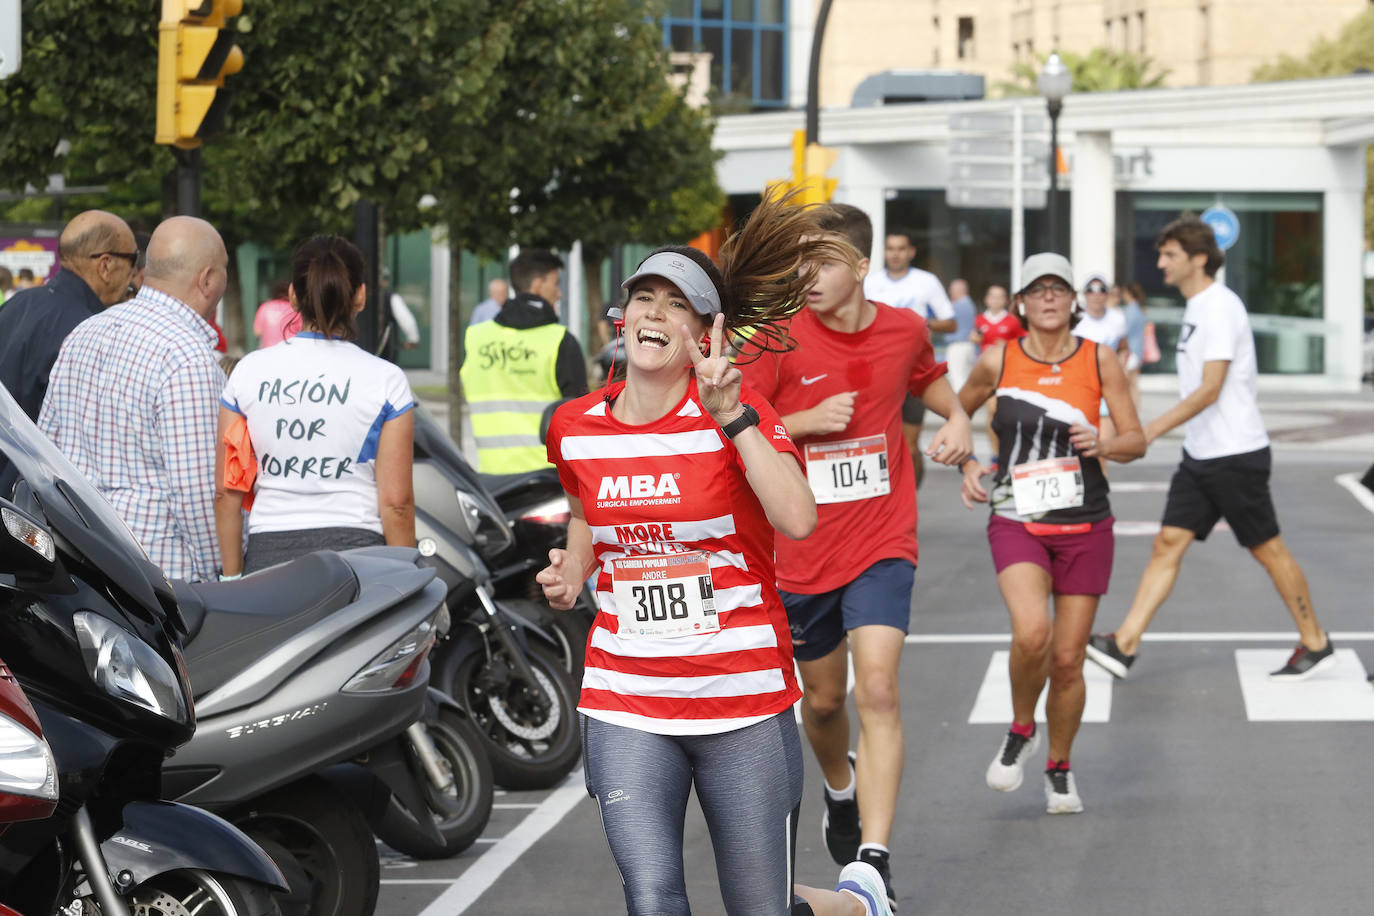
(913,410)
(1233,487)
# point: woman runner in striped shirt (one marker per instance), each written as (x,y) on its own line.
(678,478)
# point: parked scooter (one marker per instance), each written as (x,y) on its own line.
(90,629)
(312,664)
(496,662)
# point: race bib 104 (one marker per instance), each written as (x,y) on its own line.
(1043,486)
(850,469)
(664,596)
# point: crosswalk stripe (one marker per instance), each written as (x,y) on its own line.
(993,703)
(1338,694)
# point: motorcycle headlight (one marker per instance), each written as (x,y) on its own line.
(491,531)
(128,668)
(26,763)
(554,511)
(398,664)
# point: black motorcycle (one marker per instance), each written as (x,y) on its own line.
(91,629)
(498,661)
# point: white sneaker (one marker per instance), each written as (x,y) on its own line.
(863,881)
(1061,793)
(1008,768)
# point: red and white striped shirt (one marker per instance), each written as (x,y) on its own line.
(669,487)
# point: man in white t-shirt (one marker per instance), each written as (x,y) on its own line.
(1226,461)
(902,285)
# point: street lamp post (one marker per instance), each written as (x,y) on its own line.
(1055,82)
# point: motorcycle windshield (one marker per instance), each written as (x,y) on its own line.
(75,510)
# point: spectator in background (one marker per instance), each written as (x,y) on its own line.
(996,323)
(96,254)
(26,278)
(903,285)
(402,318)
(276,320)
(960,351)
(497,294)
(343,478)
(7,287)
(517,364)
(1132,299)
(133,399)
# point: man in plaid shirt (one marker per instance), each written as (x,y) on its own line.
(134,398)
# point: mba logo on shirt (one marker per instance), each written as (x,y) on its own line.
(638,490)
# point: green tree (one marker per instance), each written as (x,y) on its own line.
(336,102)
(1100,70)
(585,141)
(1350,51)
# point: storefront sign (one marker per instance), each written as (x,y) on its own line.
(37,254)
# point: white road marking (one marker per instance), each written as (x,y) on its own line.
(1141,486)
(464,890)
(511,806)
(993,704)
(1352,483)
(1338,694)
(964,639)
(1128,529)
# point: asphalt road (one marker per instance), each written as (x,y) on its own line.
(1205,791)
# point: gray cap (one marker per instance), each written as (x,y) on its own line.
(1045,264)
(684,273)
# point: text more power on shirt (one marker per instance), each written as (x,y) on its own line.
(1217,327)
(315,411)
(692,637)
(863,519)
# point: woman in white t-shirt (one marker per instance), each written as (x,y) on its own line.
(326,428)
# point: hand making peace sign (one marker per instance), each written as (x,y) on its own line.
(718,379)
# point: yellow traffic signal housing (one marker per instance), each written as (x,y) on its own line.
(810,162)
(195,53)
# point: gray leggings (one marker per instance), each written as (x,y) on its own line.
(749,784)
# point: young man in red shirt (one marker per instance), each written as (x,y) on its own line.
(847,588)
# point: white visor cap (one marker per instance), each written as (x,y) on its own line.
(684,273)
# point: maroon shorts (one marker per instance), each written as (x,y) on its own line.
(1078,564)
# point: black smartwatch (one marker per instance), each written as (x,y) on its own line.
(749,418)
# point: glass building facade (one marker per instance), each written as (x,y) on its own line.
(747,44)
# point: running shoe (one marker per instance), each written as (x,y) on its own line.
(1304,663)
(1104,650)
(840,824)
(1008,768)
(1061,792)
(863,881)
(881,862)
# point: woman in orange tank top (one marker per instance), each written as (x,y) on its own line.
(1051,525)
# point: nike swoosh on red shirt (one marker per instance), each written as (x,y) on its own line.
(812,381)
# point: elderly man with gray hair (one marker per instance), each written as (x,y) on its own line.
(134,399)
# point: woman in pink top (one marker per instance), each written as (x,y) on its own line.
(276,319)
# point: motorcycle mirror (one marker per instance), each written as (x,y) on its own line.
(547,417)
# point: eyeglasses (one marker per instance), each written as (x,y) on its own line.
(1045,290)
(1095,288)
(131,257)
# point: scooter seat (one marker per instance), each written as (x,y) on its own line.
(230,625)
(502,485)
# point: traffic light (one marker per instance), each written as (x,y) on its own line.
(810,162)
(195,52)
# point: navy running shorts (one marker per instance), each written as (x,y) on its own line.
(881,595)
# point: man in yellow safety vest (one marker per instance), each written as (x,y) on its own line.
(517,364)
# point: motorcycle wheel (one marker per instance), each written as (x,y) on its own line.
(327,837)
(193,892)
(461,813)
(530,734)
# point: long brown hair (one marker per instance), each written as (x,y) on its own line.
(325,275)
